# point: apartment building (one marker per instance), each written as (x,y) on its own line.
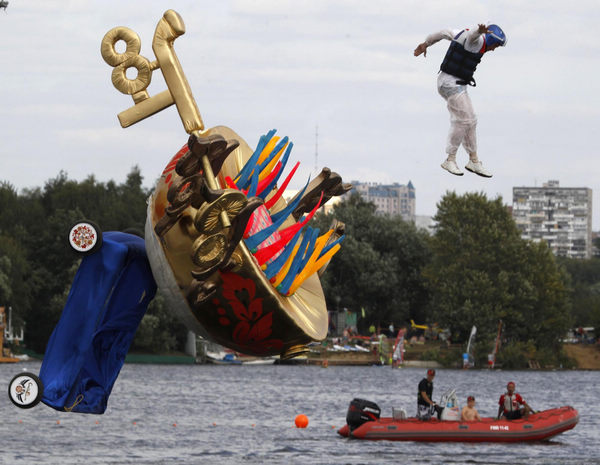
(561,216)
(390,199)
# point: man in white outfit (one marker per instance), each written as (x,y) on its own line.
(456,72)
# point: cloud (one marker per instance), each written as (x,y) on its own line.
(344,65)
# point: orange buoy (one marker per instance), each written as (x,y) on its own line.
(301,421)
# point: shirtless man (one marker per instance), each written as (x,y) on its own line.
(469,412)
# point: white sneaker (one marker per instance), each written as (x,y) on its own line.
(452,167)
(478,168)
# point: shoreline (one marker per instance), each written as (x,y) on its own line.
(585,356)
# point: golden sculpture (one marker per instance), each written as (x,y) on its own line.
(206,210)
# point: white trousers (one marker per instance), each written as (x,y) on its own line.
(463,121)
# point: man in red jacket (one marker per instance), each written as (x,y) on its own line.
(510,404)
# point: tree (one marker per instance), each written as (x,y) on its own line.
(14,273)
(379,265)
(160,331)
(33,238)
(5,271)
(482,272)
(584,289)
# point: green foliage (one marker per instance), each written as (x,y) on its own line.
(378,267)
(516,356)
(584,290)
(475,269)
(449,358)
(431,354)
(14,271)
(37,265)
(482,272)
(160,331)
(5,271)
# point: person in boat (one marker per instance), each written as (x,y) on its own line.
(467,47)
(511,405)
(469,412)
(425,406)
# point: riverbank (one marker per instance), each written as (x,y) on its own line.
(586,356)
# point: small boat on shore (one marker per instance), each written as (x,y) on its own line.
(537,427)
(230,358)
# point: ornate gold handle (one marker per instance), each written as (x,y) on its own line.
(168,29)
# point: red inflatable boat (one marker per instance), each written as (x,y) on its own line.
(539,426)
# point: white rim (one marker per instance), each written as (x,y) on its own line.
(24,390)
(83,237)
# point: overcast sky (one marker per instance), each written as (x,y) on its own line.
(344,66)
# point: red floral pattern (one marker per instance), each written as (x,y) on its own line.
(253,327)
(168,171)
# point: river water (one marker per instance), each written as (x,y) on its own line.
(205,414)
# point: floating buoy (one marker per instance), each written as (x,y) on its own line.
(301,421)
(174,424)
(324,363)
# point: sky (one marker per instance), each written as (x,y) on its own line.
(344,67)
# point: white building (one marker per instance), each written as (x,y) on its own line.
(390,199)
(561,216)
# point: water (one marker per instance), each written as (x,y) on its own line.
(206,414)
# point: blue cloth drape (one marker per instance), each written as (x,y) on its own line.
(108,298)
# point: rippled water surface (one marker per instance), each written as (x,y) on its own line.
(167,414)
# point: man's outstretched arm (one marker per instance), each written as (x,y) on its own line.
(432,39)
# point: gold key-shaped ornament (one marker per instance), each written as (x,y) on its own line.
(168,29)
(195,226)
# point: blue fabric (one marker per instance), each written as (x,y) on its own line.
(267,190)
(244,176)
(297,266)
(276,265)
(108,298)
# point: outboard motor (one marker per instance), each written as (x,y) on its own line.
(360,411)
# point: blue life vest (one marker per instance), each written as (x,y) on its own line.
(460,62)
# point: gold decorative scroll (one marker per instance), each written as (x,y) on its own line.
(195,226)
(179,92)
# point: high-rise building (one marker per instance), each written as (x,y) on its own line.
(561,216)
(390,199)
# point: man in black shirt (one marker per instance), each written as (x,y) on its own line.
(425,406)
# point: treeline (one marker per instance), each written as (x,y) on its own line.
(37,264)
(474,269)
